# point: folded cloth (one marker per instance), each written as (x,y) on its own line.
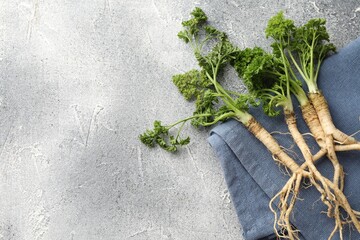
(253,177)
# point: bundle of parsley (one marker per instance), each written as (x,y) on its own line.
(271,80)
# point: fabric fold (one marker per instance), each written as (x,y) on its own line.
(239,182)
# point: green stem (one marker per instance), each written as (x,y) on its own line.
(217,86)
(234,93)
(312,58)
(188,118)
(317,70)
(270,90)
(286,63)
(294,77)
(299,93)
(297,66)
(221,117)
(180,129)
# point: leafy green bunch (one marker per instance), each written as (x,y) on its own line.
(212,102)
(264,76)
(305,46)
(272,77)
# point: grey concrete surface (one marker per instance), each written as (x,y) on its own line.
(79,80)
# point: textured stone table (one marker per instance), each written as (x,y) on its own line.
(79,80)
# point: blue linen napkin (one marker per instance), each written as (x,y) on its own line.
(253,178)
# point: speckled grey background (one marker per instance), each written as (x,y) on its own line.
(79,80)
